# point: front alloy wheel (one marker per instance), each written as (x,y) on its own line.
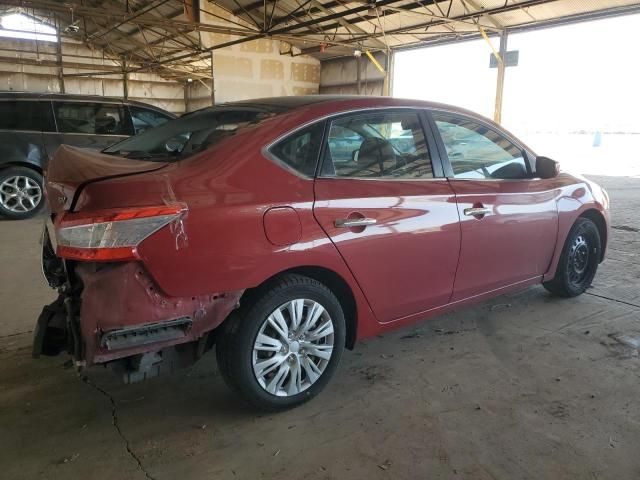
(283,344)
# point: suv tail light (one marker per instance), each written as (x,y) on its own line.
(110,235)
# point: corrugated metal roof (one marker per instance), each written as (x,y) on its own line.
(165,37)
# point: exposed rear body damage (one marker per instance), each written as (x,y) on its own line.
(112,309)
(125,314)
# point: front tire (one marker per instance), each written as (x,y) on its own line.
(21,193)
(281,348)
(579,260)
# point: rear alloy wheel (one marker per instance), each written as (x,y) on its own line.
(579,260)
(20,193)
(293,347)
(282,348)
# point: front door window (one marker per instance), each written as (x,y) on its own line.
(476,151)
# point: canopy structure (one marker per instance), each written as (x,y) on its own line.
(174,38)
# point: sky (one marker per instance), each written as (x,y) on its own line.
(584,76)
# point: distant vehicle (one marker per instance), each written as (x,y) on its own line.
(283,230)
(34,125)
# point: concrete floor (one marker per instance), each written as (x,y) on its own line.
(525,386)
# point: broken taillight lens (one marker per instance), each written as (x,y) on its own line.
(111,235)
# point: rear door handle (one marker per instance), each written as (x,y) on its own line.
(354,222)
(477,211)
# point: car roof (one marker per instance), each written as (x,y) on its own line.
(16,95)
(342,102)
(324,105)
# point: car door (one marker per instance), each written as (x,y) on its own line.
(24,124)
(389,211)
(508,218)
(93,125)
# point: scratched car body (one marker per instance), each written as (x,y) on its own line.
(251,227)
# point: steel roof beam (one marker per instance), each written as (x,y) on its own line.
(333,16)
(127,18)
(435,23)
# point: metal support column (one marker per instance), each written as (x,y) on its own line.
(187,97)
(391,62)
(213,82)
(60,64)
(502,67)
(125,80)
(358,76)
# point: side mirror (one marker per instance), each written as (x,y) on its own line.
(547,168)
(354,155)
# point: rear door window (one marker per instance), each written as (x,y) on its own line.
(27,115)
(144,119)
(90,118)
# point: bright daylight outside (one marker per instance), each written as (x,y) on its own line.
(568,97)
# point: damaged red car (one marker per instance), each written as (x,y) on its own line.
(283,230)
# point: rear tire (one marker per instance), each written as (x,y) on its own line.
(282,346)
(21,193)
(579,260)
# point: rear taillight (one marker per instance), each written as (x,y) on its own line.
(111,235)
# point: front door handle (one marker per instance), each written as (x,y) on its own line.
(354,222)
(477,211)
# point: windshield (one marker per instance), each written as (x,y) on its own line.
(187,135)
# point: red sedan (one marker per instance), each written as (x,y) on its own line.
(283,230)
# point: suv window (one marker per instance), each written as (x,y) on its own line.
(90,118)
(144,119)
(477,151)
(375,145)
(26,115)
(301,149)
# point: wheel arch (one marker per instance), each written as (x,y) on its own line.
(335,282)
(598,218)
(31,166)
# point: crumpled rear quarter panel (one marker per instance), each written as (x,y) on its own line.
(124,295)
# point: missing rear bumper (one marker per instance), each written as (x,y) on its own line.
(58,329)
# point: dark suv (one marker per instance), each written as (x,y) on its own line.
(33,125)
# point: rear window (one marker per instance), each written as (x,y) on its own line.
(29,115)
(187,135)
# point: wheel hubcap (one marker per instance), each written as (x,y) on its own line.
(20,194)
(579,256)
(293,347)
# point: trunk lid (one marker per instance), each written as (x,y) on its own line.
(72,168)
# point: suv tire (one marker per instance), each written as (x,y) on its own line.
(21,193)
